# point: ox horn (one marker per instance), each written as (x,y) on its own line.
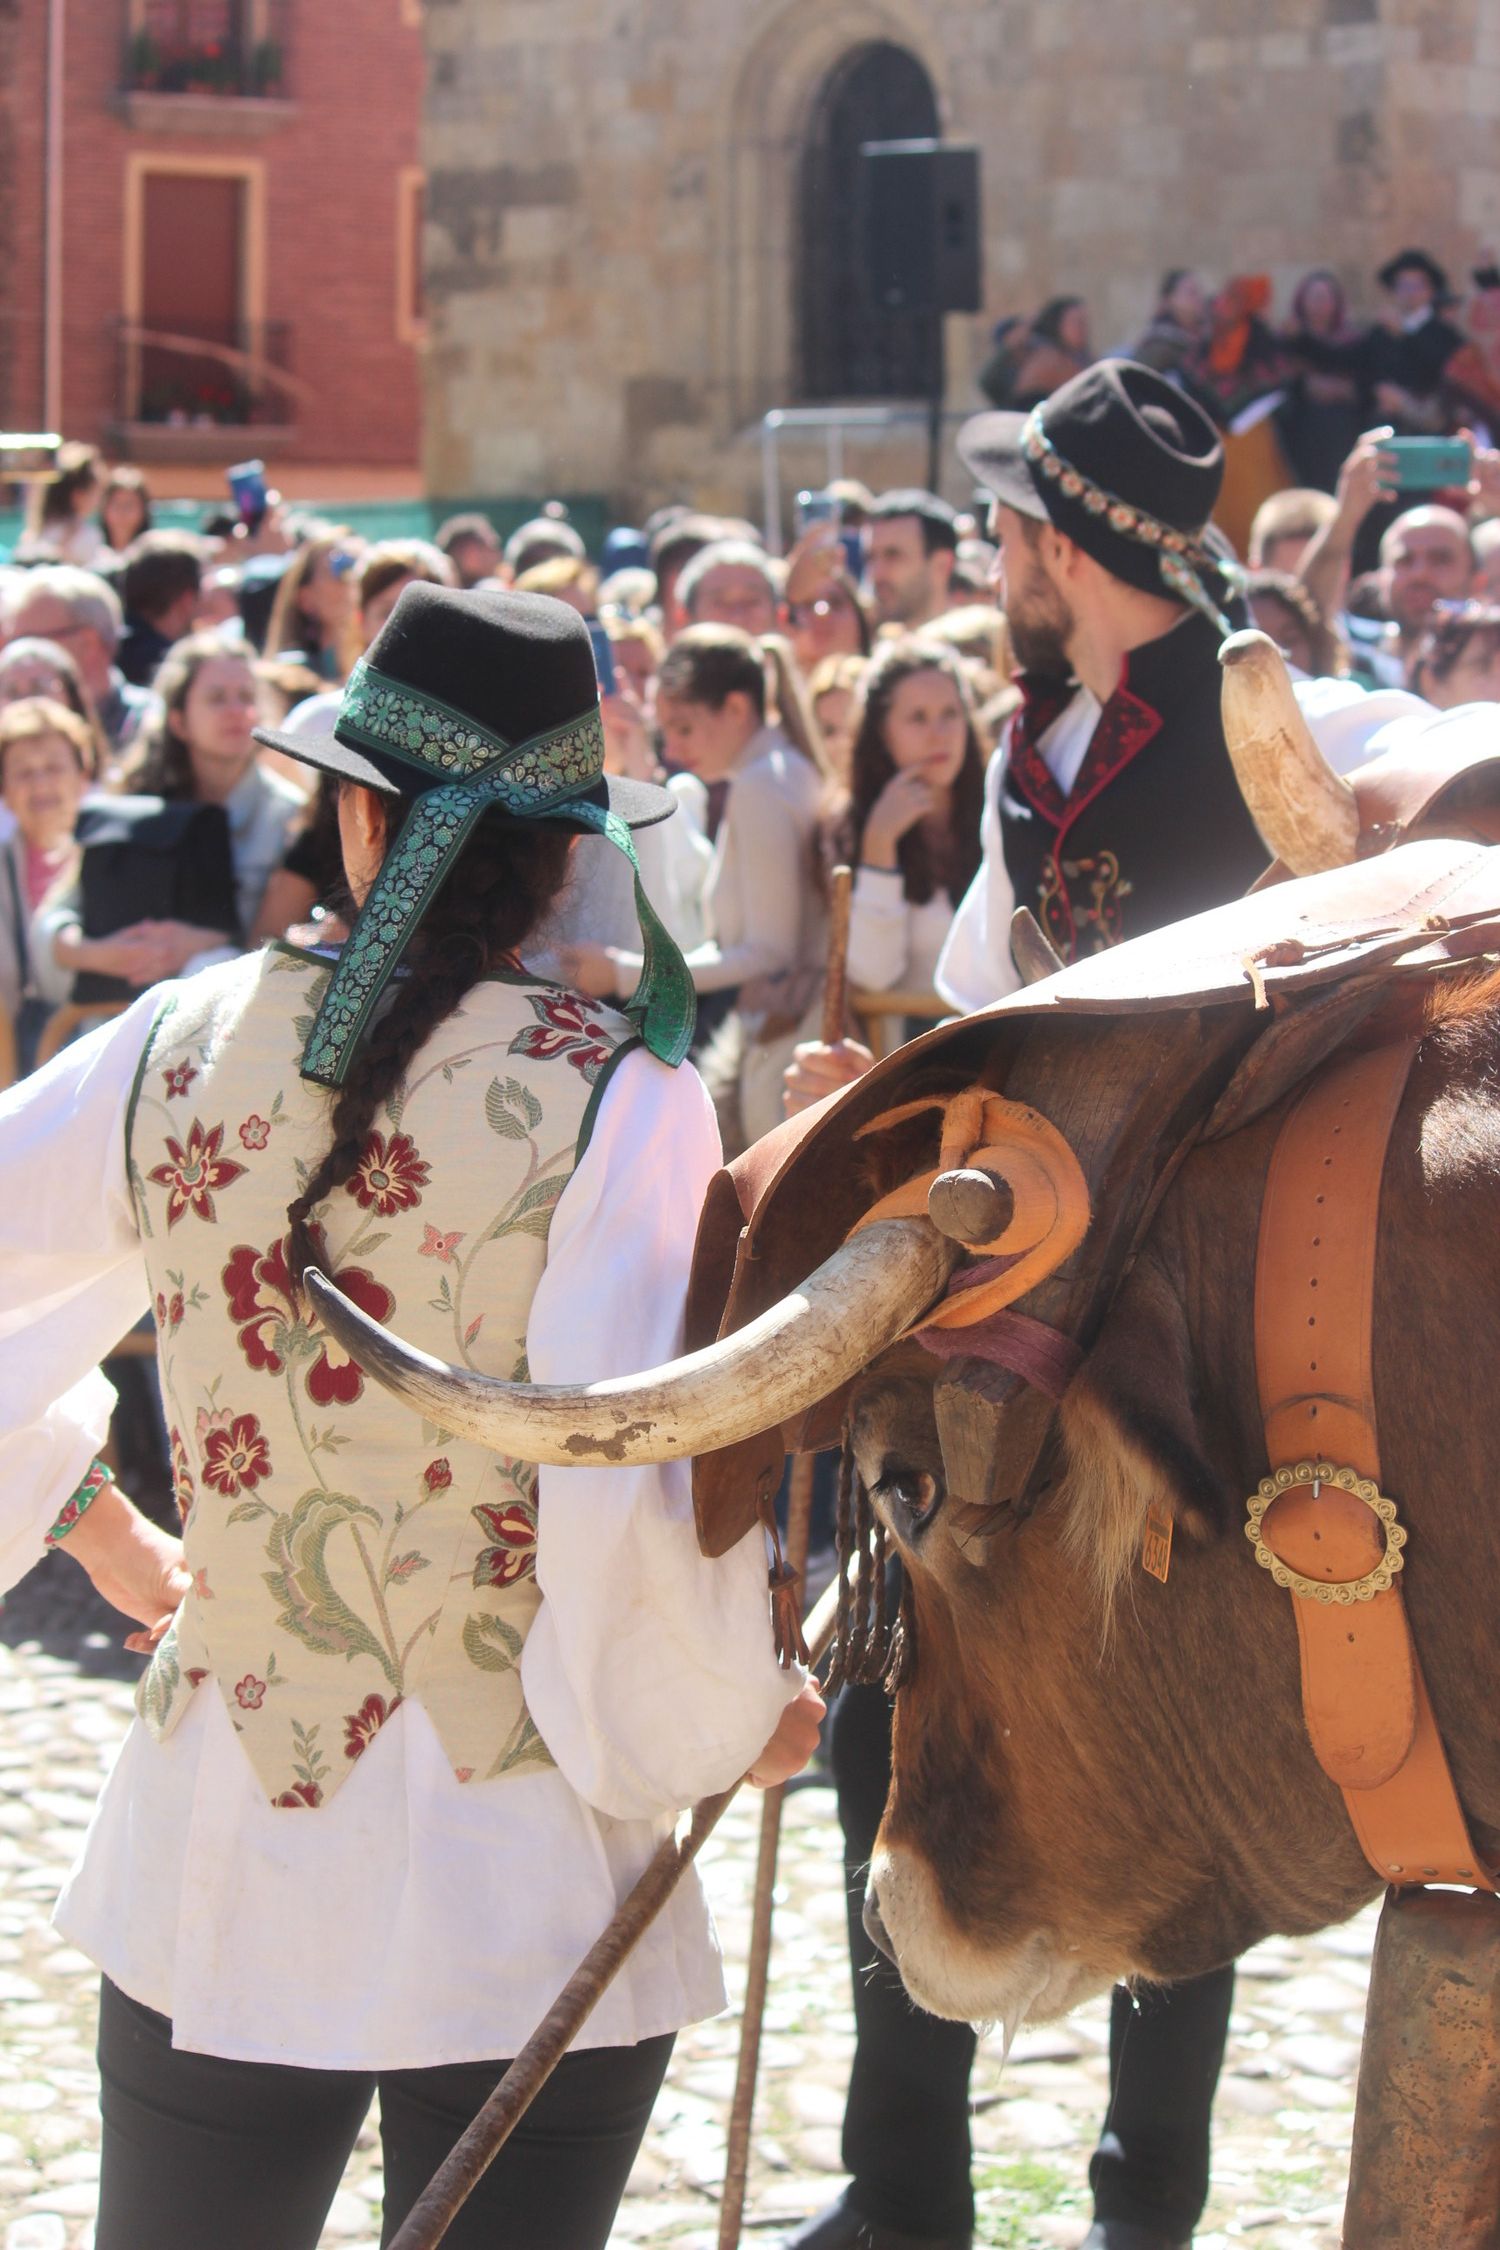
(1306,813)
(872,1289)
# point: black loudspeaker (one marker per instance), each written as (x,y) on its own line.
(922,225)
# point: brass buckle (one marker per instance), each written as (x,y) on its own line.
(1343,1591)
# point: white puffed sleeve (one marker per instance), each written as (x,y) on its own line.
(649,1670)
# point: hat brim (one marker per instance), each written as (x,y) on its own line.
(989,445)
(640,804)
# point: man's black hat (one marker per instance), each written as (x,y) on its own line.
(1413,261)
(468,704)
(1122,462)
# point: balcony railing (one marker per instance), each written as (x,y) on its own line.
(228,377)
(228,48)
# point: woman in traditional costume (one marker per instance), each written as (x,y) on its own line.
(415,1719)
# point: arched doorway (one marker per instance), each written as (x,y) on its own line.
(850,346)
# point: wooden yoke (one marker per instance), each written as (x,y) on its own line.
(1319,1522)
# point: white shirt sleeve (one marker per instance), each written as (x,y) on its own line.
(878,929)
(72,1278)
(975,966)
(649,1670)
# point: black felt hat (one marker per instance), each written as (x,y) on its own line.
(510,667)
(468,704)
(1119,459)
(1414,261)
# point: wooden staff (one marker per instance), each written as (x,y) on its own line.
(799,1520)
(836,987)
(451,2185)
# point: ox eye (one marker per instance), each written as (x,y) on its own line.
(913,1494)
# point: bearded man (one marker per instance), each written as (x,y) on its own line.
(1111,808)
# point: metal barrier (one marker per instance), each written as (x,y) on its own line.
(835,423)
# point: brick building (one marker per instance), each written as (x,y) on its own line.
(641,229)
(210,216)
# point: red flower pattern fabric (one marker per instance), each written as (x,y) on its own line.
(273,1326)
(169,1312)
(179,1077)
(300,1795)
(566,1028)
(192,1173)
(255,1132)
(390,1175)
(249,1693)
(511,1528)
(235,1454)
(362,1726)
(182,1476)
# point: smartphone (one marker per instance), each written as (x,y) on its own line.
(1429,464)
(604,657)
(816,507)
(28,457)
(247,483)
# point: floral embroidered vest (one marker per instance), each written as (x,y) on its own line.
(346,1555)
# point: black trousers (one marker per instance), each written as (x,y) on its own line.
(906,2121)
(204,2154)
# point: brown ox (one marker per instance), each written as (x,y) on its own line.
(1096,1775)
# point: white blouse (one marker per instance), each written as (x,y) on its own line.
(894,944)
(410,1921)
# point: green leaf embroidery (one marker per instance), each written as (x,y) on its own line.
(248,1510)
(490,1643)
(525,1748)
(311,1608)
(499,1117)
(159,1686)
(406,1566)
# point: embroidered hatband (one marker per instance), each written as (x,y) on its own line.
(1180,557)
(470,770)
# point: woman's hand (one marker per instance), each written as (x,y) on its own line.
(793,1743)
(906,798)
(816,1070)
(591,969)
(137,1568)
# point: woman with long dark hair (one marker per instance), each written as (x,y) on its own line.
(911,825)
(417,1715)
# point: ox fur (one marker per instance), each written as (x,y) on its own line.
(1097,1776)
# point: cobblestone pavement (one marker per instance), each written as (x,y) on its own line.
(1283,2114)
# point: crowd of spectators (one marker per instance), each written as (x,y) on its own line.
(836,703)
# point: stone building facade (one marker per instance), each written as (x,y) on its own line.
(625,205)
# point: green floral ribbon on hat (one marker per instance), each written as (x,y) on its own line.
(471,769)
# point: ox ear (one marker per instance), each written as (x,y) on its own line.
(1131,1432)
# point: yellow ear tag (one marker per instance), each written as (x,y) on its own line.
(1156,1547)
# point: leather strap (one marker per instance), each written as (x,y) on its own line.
(1364,1699)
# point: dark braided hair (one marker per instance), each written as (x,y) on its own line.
(505,880)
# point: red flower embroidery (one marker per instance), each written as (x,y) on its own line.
(182,1478)
(437,1476)
(512,1527)
(255,1132)
(273,1326)
(194,1172)
(301,1793)
(390,1175)
(463,1773)
(565,1026)
(249,1693)
(438,1245)
(169,1314)
(196,1675)
(362,1726)
(179,1077)
(235,1455)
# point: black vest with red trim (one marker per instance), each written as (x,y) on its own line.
(1154,827)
